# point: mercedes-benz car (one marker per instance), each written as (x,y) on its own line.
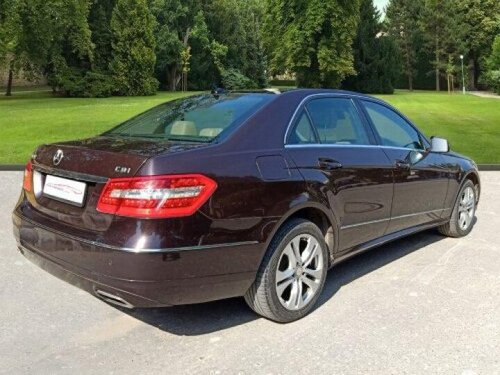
(253,194)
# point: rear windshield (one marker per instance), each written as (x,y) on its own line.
(195,119)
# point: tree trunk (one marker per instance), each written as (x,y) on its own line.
(409,70)
(9,83)
(172,78)
(438,86)
(473,73)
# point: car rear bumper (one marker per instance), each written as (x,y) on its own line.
(140,279)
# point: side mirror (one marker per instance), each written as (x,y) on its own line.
(440,145)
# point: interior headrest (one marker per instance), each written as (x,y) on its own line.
(210,132)
(183,128)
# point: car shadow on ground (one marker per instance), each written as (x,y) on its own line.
(192,320)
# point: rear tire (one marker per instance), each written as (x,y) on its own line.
(292,274)
(462,217)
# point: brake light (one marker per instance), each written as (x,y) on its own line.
(156,196)
(28,177)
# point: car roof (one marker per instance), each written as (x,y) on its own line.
(309,92)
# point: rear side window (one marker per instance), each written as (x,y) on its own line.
(393,130)
(196,119)
(337,121)
(303,132)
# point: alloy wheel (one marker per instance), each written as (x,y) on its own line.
(299,272)
(466,208)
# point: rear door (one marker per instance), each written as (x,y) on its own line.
(420,176)
(335,151)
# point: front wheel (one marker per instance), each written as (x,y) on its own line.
(292,274)
(462,217)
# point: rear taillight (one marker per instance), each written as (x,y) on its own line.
(28,177)
(156,196)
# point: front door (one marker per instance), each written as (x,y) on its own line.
(334,149)
(420,177)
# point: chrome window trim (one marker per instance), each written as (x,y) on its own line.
(321,95)
(350,96)
(332,145)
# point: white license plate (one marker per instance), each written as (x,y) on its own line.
(64,190)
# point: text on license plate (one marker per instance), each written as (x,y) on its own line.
(64,190)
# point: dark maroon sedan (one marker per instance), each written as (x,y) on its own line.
(237,194)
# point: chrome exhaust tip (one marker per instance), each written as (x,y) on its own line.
(113,299)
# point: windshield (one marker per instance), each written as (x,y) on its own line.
(196,119)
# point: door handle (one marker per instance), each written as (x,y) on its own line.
(402,164)
(329,164)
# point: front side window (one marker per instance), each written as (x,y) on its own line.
(337,121)
(393,130)
(196,119)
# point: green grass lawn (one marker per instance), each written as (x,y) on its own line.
(28,119)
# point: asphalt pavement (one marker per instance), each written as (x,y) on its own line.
(422,305)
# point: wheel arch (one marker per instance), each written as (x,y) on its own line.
(473,176)
(317,214)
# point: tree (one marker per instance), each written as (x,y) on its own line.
(480,23)
(70,50)
(237,24)
(102,35)
(492,75)
(311,38)
(133,48)
(9,30)
(402,24)
(434,21)
(175,21)
(375,55)
(444,32)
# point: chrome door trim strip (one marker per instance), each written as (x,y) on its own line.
(393,218)
(364,223)
(132,250)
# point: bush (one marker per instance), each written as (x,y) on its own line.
(76,83)
(491,77)
(283,82)
(232,79)
(492,80)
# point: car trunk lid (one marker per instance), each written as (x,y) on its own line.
(91,161)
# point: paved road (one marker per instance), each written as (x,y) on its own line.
(426,304)
(485,94)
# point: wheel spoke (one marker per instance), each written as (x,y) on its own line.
(283,275)
(463,220)
(310,252)
(468,220)
(295,244)
(313,285)
(299,301)
(292,260)
(316,274)
(293,294)
(281,287)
